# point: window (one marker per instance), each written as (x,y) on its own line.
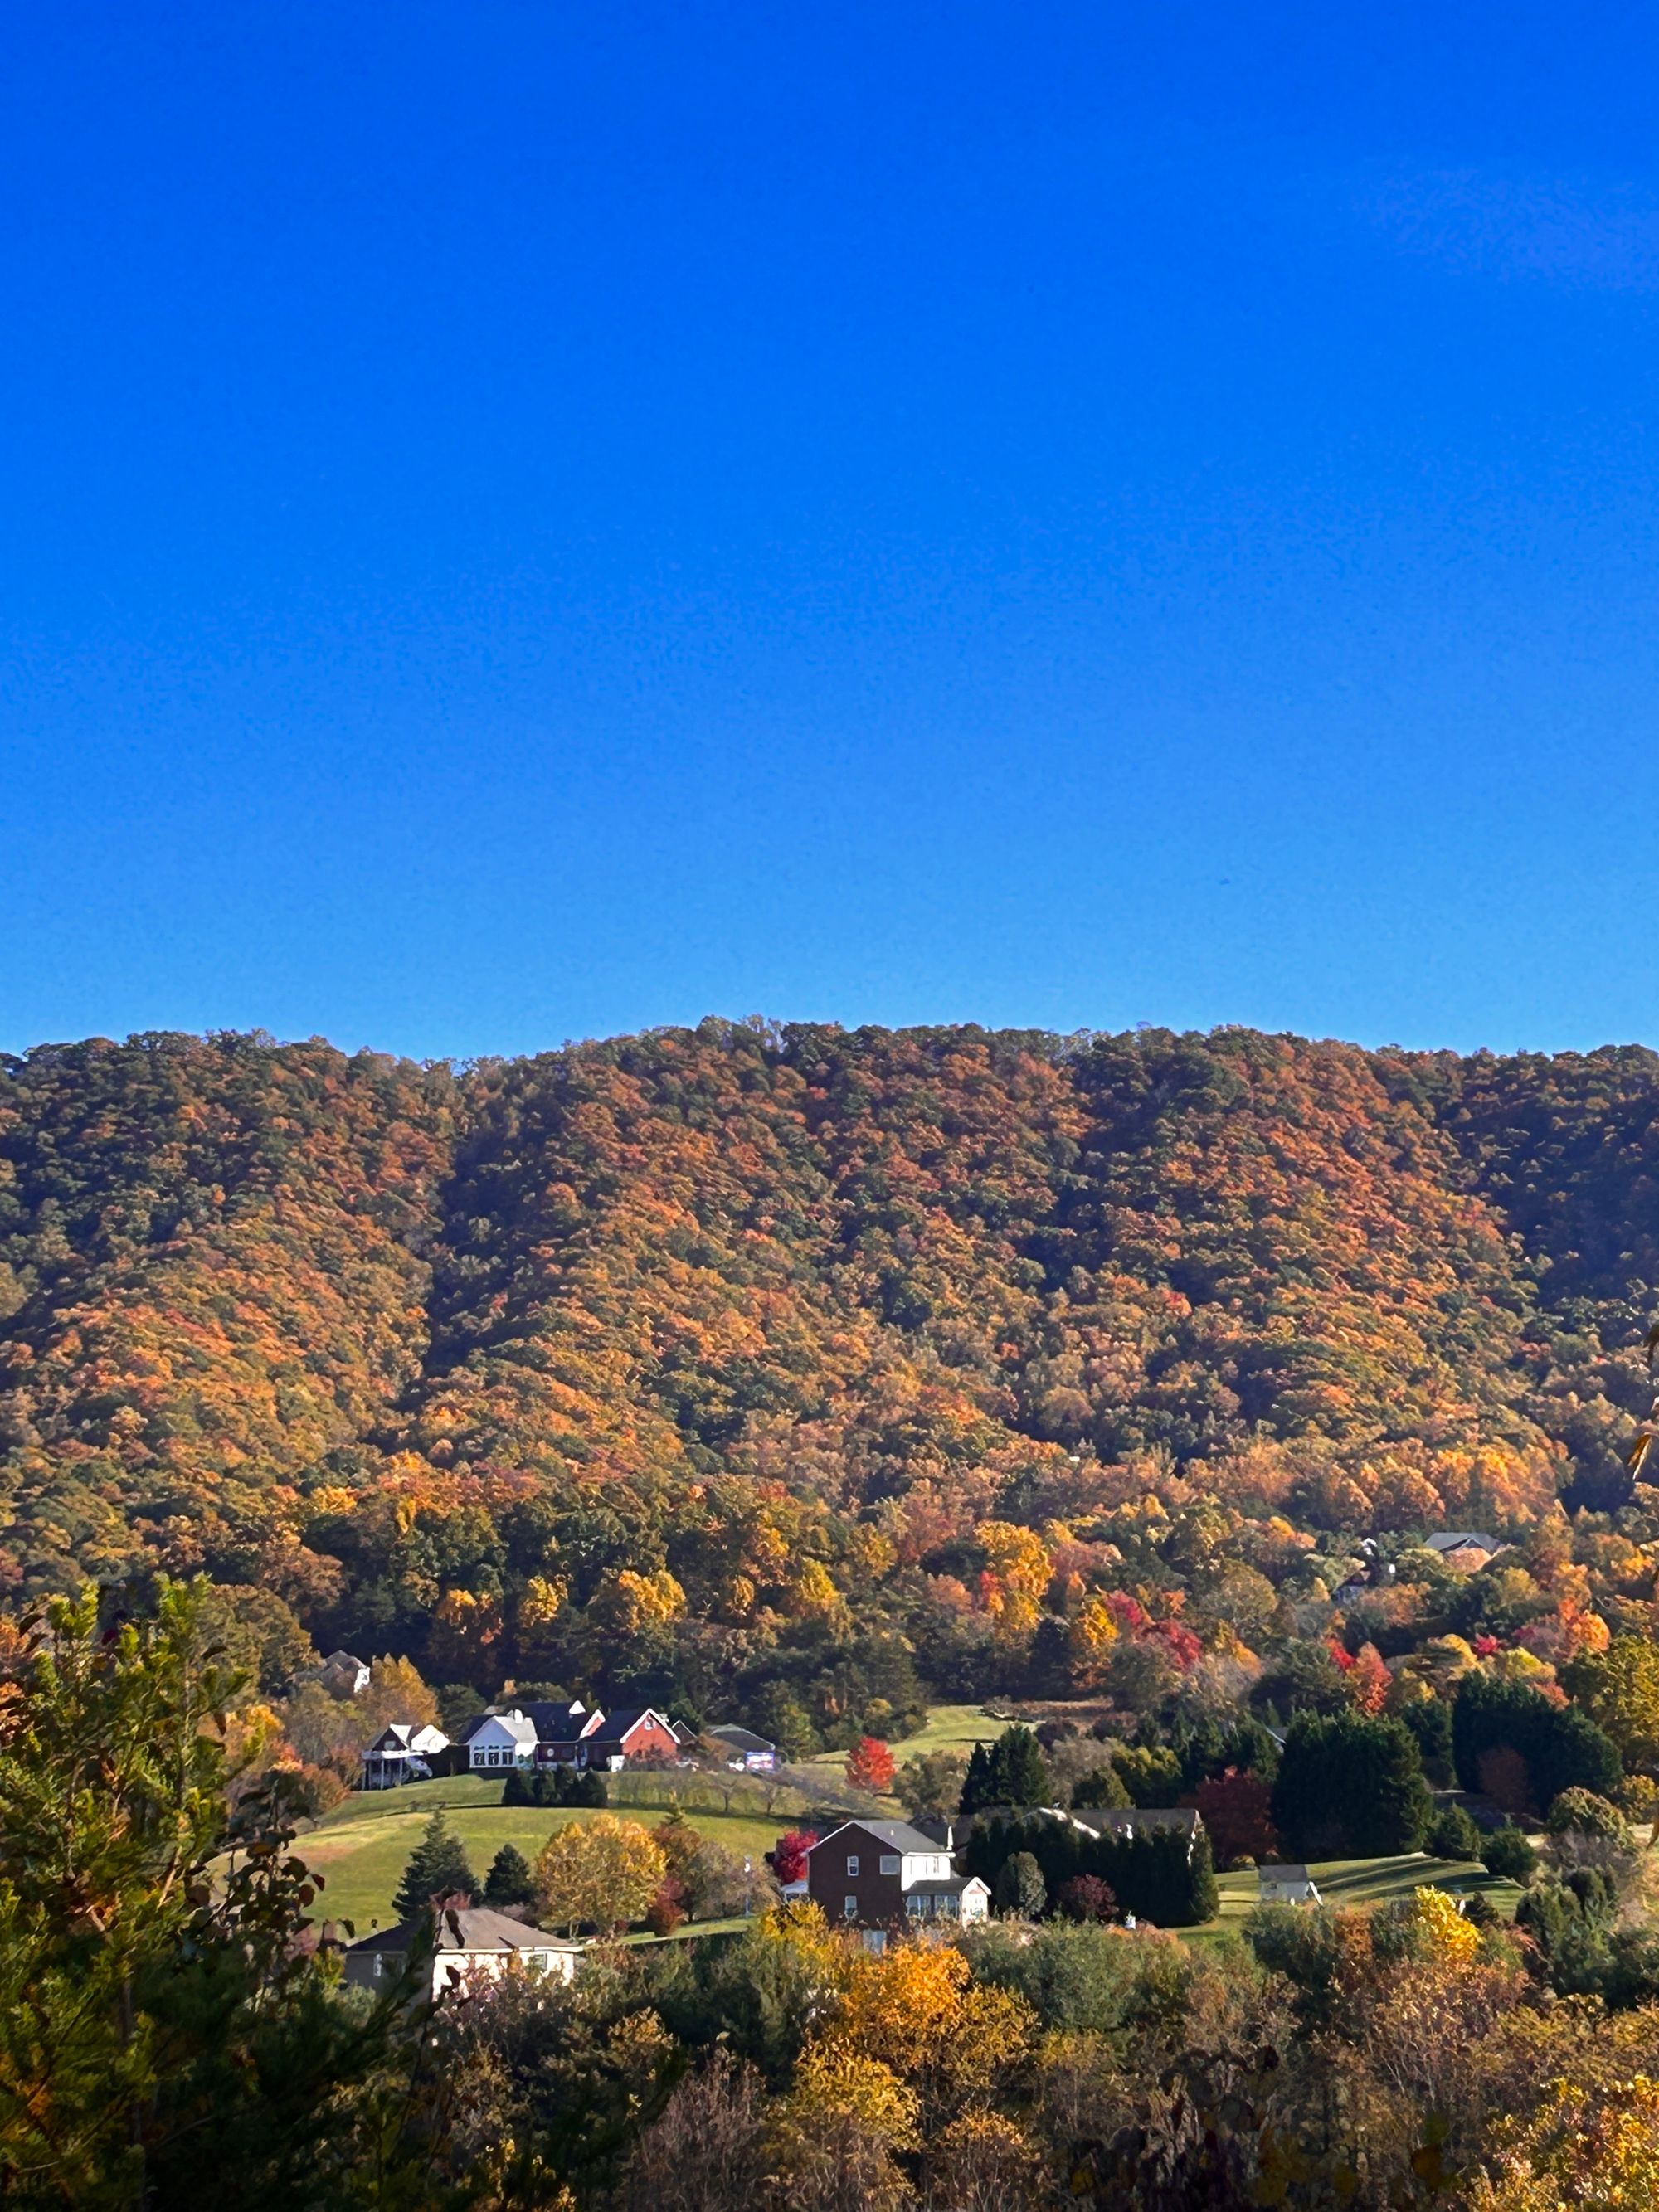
(889,1862)
(915,1907)
(852,1862)
(849,1908)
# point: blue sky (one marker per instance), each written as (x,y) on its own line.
(526,519)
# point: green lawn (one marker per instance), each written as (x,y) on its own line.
(948,1728)
(361,1847)
(1361,1882)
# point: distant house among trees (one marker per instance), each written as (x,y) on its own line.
(886,1874)
(403,1751)
(497,1740)
(1286,1885)
(469,1944)
(627,1739)
(746,1751)
(1466,1551)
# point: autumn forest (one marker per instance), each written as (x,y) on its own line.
(819,1369)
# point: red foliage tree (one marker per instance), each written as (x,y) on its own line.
(667,1908)
(870,1766)
(1368,1680)
(1086,1897)
(1235,1809)
(789,1854)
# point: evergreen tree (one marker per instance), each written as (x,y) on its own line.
(1349,1787)
(1017,1775)
(1021,1891)
(437,1867)
(1561,1747)
(976,1784)
(509,1881)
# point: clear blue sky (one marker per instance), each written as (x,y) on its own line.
(521,519)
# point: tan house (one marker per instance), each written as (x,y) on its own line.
(471,1944)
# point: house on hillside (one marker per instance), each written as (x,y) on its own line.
(881,1876)
(562,1730)
(471,1945)
(745,1752)
(1286,1885)
(405,1752)
(343,1674)
(495,1741)
(639,1737)
(1466,1551)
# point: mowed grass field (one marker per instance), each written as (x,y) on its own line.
(1361,1881)
(950,1728)
(361,1847)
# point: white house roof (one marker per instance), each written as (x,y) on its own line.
(512,1724)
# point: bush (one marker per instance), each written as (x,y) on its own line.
(666,1909)
(1452,1835)
(1086,1897)
(1021,1892)
(1584,1814)
(1506,1852)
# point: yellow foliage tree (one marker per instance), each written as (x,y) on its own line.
(1016,1578)
(633,1603)
(602,1872)
(1580,2153)
(1438,1918)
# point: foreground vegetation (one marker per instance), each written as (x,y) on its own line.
(1405,2053)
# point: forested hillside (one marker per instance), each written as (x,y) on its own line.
(737,1348)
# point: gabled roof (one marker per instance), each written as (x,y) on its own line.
(1291,1875)
(896,1835)
(560,1723)
(741,1739)
(1119,1820)
(520,1729)
(1454,1540)
(471,1928)
(618,1725)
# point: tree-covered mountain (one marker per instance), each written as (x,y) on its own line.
(708,1338)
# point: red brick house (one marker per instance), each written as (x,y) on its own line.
(886,1874)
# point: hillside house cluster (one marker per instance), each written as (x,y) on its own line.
(542,1734)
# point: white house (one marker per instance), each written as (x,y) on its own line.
(469,1946)
(497,1740)
(344,1674)
(402,1752)
(1286,1885)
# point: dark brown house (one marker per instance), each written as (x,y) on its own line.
(886,1874)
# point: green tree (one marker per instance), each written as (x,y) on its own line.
(1452,1835)
(1019,1776)
(931,1784)
(1021,1892)
(1349,1787)
(157,1999)
(1506,1851)
(437,1867)
(509,1881)
(1619,1689)
(1561,1747)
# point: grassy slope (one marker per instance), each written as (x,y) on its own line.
(1361,1882)
(360,1848)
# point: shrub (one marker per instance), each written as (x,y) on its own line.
(1452,1835)
(1021,1892)
(1583,1813)
(1086,1897)
(1507,1853)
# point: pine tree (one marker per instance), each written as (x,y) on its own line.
(437,1867)
(976,1784)
(509,1881)
(1019,1776)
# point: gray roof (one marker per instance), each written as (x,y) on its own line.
(1283,1873)
(560,1723)
(936,1888)
(741,1739)
(898,1835)
(1117,1820)
(1452,1540)
(474,1928)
